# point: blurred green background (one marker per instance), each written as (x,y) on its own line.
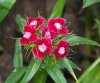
(83,22)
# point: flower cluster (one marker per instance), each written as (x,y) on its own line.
(46,37)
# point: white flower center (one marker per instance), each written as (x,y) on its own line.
(47,34)
(42,47)
(61,50)
(58,25)
(33,22)
(27,35)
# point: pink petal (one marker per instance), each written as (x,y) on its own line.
(64,31)
(33,38)
(24,41)
(50,34)
(60,20)
(53,35)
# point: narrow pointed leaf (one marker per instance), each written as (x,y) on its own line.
(61,64)
(73,65)
(5,6)
(58,9)
(87,3)
(67,65)
(56,75)
(93,72)
(31,70)
(20,22)
(18,57)
(15,76)
(76,40)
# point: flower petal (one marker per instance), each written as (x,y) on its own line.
(33,38)
(37,53)
(60,20)
(64,31)
(24,41)
(63,43)
(40,20)
(66,53)
(28,28)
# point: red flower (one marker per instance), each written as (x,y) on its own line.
(28,30)
(35,22)
(61,51)
(42,46)
(25,39)
(56,25)
(47,33)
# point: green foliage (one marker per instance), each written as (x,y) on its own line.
(31,70)
(40,76)
(87,3)
(92,74)
(58,9)
(5,6)
(98,25)
(64,63)
(73,65)
(76,40)
(18,57)
(21,22)
(56,75)
(15,76)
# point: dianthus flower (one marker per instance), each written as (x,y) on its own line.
(45,37)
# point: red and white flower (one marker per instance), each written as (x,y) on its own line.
(60,50)
(56,25)
(36,22)
(47,33)
(28,32)
(43,46)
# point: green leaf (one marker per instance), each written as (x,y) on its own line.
(15,76)
(5,6)
(31,70)
(56,75)
(87,3)
(67,65)
(92,74)
(76,40)
(18,57)
(40,76)
(72,64)
(58,9)
(21,22)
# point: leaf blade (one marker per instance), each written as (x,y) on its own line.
(56,75)
(5,6)
(15,75)
(87,3)
(77,40)
(31,71)
(20,22)
(58,9)
(18,57)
